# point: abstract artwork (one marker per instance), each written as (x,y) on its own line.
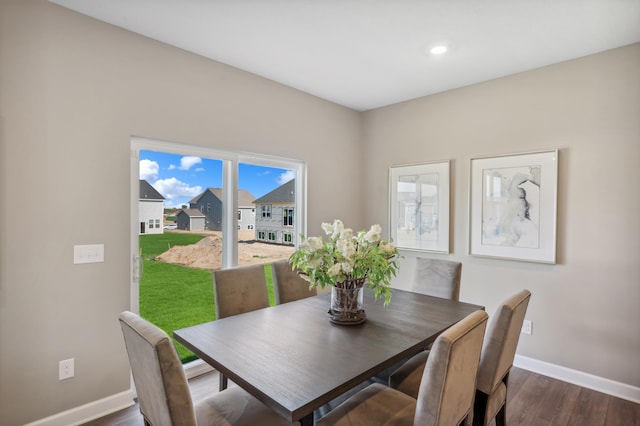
(513,206)
(419,206)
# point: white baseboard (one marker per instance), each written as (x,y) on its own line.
(586,380)
(111,404)
(91,411)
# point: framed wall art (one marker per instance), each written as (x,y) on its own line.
(513,205)
(419,206)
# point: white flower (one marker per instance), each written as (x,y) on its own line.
(387,248)
(335,270)
(315,263)
(346,247)
(347,233)
(327,228)
(311,244)
(374,234)
(315,243)
(338,227)
(346,267)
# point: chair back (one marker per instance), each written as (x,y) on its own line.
(448,383)
(163,392)
(440,278)
(239,290)
(288,285)
(502,339)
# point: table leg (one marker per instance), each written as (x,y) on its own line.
(307,420)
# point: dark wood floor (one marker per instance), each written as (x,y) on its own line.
(533,400)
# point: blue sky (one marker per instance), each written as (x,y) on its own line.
(179,178)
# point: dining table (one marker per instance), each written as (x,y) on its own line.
(295,360)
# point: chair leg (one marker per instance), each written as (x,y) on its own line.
(501,416)
(223,382)
(480,409)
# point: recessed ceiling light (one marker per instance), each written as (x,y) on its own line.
(438,50)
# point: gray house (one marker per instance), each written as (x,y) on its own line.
(190,220)
(209,203)
(275,215)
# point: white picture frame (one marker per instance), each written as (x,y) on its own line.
(513,206)
(419,206)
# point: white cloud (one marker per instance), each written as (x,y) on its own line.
(172,188)
(187,162)
(286,177)
(149,170)
(172,166)
(200,169)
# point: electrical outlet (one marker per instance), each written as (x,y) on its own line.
(527,327)
(66,369)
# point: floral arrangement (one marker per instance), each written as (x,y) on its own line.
(347,260)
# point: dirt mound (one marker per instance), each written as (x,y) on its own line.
(207,253)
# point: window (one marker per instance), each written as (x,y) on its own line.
(261,235)
(208,207)
(266,211)
(239,214)
(249,226)
(272,236)
(287,216)
(157,223)
(287,238)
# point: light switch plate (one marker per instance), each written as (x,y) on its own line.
(90,253)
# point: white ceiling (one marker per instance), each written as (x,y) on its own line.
(365,54)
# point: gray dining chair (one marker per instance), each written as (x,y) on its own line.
(239,290)
(163,392)
(497,357)
(433,277)
(436,277)
(288,285)
(447,388)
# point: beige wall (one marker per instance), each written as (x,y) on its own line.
(73,91)
(584,309)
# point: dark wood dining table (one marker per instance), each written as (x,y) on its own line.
(294,360)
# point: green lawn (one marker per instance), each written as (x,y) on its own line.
(174,296)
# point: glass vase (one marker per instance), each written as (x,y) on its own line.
(347,305)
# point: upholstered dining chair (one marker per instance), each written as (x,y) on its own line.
(239,290)
(433,277)
(446,392)
(288,285)
(163,392)
(497,357)
(436,277)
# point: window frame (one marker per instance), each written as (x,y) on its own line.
(230,171)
